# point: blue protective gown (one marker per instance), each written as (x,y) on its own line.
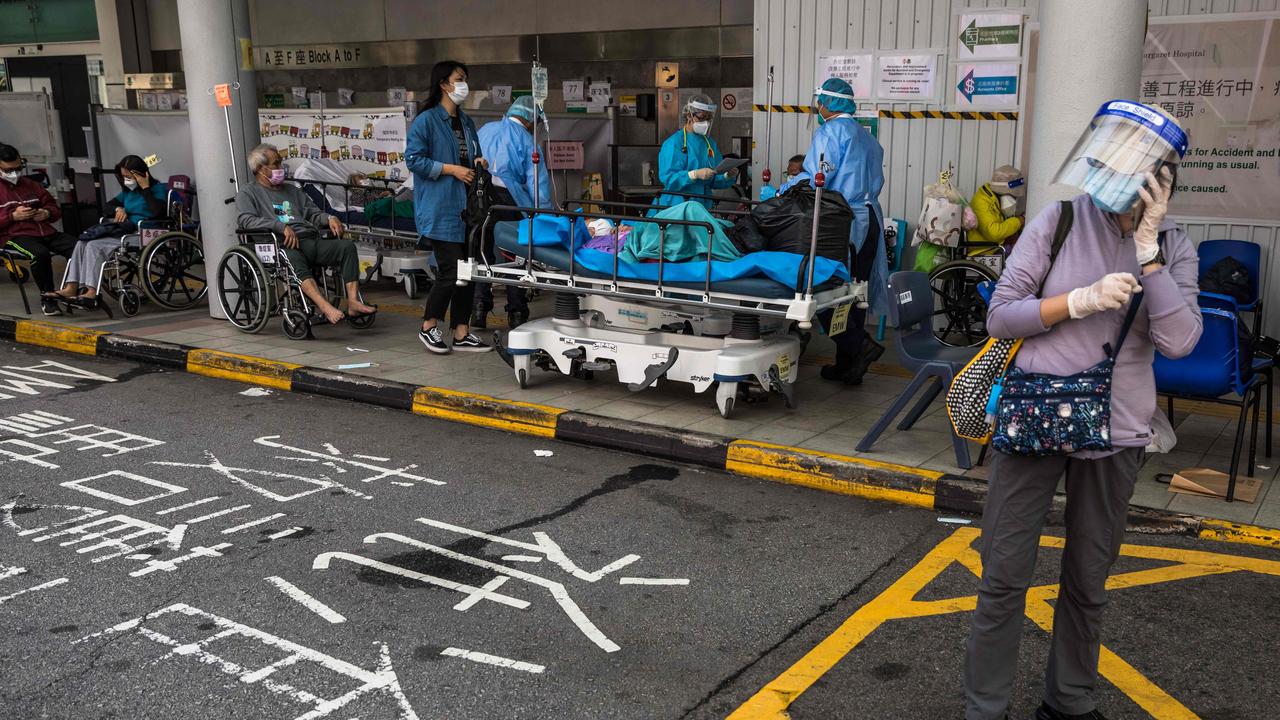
(509,148)
(682,152)
(855,168)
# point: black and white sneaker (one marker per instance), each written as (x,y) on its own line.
(50,306)
(434,340)
(471,343)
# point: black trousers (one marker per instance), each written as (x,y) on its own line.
(445,295)
(39,251)
(484,291)
(850,342)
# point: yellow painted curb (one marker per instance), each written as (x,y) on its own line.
(1239,533)
(61,337)
(520,417)
(832,473)
(242,368)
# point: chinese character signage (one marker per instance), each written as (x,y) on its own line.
(340,55)
(1221,80)
(857,67)
(907,77)
(989,36)
(986,85)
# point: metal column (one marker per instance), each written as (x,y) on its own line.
(212,35)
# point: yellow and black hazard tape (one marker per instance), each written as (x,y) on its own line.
(830,472)
(902,114)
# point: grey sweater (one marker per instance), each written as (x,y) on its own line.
(263,208)
(1168,321)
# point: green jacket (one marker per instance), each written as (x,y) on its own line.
(993,227)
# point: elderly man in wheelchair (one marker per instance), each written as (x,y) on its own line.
(271,207)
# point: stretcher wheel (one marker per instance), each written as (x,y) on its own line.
(296,326)
(243,292)
(130,302)
(522,377)
(411,285)
(726,398)
(173,271)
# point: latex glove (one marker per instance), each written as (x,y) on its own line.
(1155,199)
(767,192)
(702,174)
(1112,292)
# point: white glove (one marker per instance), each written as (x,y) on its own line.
(702,174)
(1112,292)
(1155,198)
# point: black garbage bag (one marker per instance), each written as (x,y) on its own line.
(1228,277)
(746,236)
(786,222)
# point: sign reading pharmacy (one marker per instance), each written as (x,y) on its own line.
(989,36)
(1221,81)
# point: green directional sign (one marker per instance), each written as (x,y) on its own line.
(973,36)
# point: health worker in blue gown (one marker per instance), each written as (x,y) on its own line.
(518,182)
(687,161)
(853,164)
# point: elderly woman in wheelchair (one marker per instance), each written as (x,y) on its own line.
(270,207)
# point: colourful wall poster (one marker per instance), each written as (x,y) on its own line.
(366,140)
(1221,81)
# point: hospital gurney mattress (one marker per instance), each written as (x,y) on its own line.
(506,238)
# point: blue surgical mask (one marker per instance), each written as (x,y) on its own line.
(821,120)
(1112,192)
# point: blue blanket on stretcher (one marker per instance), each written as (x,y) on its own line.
(781,267)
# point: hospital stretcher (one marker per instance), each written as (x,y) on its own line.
(743,335)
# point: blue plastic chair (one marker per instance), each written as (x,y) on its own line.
(1212,372)
(911,312)
(1248,254)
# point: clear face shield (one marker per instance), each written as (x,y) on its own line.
(699,112)
(1013,196)
(835,102)
(1123,143)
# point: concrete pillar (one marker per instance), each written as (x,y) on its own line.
(112,56)
(212,33)
(1090,51)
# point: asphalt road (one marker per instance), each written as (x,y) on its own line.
(173,546)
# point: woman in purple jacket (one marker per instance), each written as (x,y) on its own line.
(1120,244)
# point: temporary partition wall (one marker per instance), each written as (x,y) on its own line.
(789,35)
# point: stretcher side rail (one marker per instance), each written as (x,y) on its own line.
(366,228)
(802,307)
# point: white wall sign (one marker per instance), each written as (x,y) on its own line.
(345,96)
(572,90)
(501,94)
(600,93)
(666,75)
(299,96)
(857,67)
(989,36)
(397,96)
(735,102)
(907,77)
(564,155)
(988,85)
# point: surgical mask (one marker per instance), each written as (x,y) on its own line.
(130,183)
(460,92)
(277,176)
(821,120)
(1009,206)
(702,127)
(1112,192)
(10,177)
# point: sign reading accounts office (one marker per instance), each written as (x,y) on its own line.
(1221,80)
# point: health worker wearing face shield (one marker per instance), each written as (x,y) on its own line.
(1001,207)
(687,161)
(508,144)
(1120,245)
(853,164)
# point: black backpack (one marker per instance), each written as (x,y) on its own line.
(480,197)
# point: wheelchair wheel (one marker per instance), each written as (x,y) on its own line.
(243,292)
(361,322)
(296,326)
(959,314)
(173,271)
(130,302)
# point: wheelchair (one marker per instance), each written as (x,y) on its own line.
(256,281)
(161,262)
(960,311)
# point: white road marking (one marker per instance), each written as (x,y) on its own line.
(172,564)
(331,449)
(652,581)
(192,504)
(230,473)
(305,600)
(219,513)
(487,659)
(256,392)
(284,533)
(401,484)
(522,558)
(374,458)
(66,371)
(543,453)
(252,523)
(322,563)
(83,486)
(381,680)
(466,602)
(267,440)
(7,571)
(36,588)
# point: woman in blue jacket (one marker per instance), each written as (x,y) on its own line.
(141,197)
(442,152)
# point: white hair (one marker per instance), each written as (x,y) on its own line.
(260,155)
